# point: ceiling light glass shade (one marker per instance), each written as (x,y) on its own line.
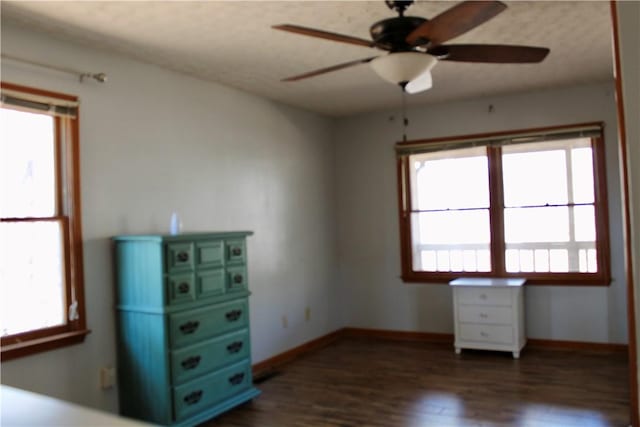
(421,83)
(403,67)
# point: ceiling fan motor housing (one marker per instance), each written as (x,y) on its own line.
(392,33)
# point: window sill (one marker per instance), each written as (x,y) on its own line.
(579,279)
(17,350)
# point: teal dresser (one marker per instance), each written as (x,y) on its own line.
(184,351)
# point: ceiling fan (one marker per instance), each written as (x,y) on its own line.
(415,44)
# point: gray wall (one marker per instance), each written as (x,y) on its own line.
(314,191)
(368,238)
(152,142)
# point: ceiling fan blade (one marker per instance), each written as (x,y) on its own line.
(324,35)
(329,69)
(455,21)
(491,53)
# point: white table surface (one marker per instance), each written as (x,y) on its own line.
(25,408)
(487,282)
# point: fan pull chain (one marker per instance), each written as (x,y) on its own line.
(405,120)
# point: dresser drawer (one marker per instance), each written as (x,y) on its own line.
(484,296)
(210,282)
(193,326)
(179,257)
(237,280)
(497,334)
(485,314)
(236,251)
(193,361)
(181,288)
(198,394)
(210,254)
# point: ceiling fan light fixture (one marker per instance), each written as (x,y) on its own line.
(419,84)
(401,68)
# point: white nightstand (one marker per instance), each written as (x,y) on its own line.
(489,314)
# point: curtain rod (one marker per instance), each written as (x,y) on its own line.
(99,77)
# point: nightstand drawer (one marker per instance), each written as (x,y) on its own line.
(195,325)
(484,296)
(486,333)
(193,361)
(192,397)
(485,314)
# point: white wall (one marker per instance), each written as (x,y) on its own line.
(153,141)
(368,236)
(628,24)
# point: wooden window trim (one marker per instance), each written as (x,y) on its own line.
(601,278)
(74,331)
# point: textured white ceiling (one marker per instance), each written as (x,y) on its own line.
(231,42)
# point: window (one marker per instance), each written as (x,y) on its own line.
(528,204)
(41,278)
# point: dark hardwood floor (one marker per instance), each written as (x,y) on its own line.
(365,382)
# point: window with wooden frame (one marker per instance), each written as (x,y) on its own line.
(41,276)
(526,203)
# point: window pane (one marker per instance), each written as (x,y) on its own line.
(31,276)
(450,180)
(453,227)
(538,260)
(559,260)
(582,170)
(536,224)
(27,184)
(451,240)
(534,178)
(584,220)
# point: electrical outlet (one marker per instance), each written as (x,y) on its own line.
(285,322)
(307,314)
(107,377)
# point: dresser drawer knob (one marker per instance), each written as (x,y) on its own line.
(237,378)
(183,256)
(189,327)
(193,397)
(483,296)
(484,334)
(233,315)
(183,288)
(484,315)
(234,347)
(191,363)
(237,278)
(236,251)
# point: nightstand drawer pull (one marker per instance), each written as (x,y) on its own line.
(191,363)
(484,334)
(193,397)
(237,378)
(189,327)
(234,347)
(483,296)
(233,315)
(236,251)
(183,256)
(237,278)
(484,315)
(183,288)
